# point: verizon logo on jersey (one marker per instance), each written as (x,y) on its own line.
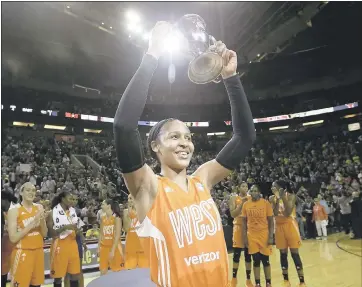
(196,221)
(202,258)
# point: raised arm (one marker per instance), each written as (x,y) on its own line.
(244,134)
(275,204)
(289,203)
(138,175)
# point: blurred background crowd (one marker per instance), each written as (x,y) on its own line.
(324,168)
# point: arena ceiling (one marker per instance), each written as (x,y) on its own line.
(56,45)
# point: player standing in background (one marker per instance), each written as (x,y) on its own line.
(81,245)
(258,229)
(27,228)
(286,231)
(135,256)
(109,244)
(178,219)
(7,200)
(236,204)
(63,227)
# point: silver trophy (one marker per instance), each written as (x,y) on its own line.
(206,65)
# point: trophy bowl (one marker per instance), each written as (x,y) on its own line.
(206,65)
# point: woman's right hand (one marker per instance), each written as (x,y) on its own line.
(158,35)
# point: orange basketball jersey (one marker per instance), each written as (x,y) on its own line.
(281,218)
(183,237)
(257,213)
(108,229)
(34,239)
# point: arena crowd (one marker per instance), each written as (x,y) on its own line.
(327,170)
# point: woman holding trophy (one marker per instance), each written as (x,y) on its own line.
(179,224)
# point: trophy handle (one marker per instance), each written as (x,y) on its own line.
(212,41)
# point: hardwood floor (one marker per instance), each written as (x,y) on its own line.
(325,264)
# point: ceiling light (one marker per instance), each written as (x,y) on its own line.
(278,128)
(313,123)
(216,134)
(258,55)
(133,17)
(102,23)
(134,28)
(68,6)
(52,127)
(110,27)
(21,124)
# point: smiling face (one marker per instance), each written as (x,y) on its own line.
(174,147)
(28,192)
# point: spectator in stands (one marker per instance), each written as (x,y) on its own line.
(50,183)
(66,159)
(93,233)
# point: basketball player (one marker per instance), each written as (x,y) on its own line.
(286,231)
(27,228)
(178,219)
(135,256)
(236,204)
(7,200)
(258,227)
(81,242)
(109,244)
(62,223)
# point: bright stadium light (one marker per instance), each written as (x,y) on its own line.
(173,41)
(146,36)
(135,28)
(133,17)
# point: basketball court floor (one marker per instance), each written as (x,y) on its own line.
(331,263)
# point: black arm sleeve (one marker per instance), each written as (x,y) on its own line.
(243,126)
(128,142)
